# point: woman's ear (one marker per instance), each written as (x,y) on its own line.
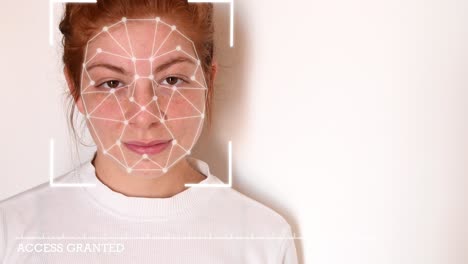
(71,87)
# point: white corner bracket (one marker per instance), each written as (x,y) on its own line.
(51,171)
(208,185)
(218,185)
(231,16)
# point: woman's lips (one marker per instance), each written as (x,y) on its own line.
(151,148)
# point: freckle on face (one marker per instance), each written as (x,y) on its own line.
(133,101)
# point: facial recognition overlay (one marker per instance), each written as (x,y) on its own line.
(143,91)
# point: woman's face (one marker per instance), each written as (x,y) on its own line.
(143,93)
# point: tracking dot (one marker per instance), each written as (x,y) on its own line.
(118,143)
(158,19)
(105,28)
(132,99)
(126,122)
(112,91)
(178,48)
(124,19)
(143,108)
(129,170)
(164,170)
(198,62)
(88,116)
(84,65)
(99,50)
(173,27)
(137,76)
(92,83)
(145,156)
(151,59)
(189,152)
(202,116)
(133,59)
(104,152)
(155,98)
(151,77)
(174,88)
(174,142)
(192,78)
(162,120)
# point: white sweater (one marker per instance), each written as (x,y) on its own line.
(98,225)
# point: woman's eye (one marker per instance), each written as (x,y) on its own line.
(171,80)
(112,84)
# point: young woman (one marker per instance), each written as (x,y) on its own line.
(141,74)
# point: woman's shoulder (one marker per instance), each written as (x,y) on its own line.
(34,196)
(260,217)
(232,206)
(30,209)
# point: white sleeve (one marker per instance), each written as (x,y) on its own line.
(288,254)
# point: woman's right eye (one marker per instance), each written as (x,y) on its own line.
(111,84)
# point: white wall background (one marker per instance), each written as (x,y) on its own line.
(347,117)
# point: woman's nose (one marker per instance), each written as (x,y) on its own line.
(143,110)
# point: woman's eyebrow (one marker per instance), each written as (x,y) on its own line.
(173,61)
(158,69)
(108,66)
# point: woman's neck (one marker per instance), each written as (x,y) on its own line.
(163,186)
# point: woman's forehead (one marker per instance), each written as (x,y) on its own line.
(139,39)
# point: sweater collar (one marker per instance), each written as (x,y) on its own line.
(142,208)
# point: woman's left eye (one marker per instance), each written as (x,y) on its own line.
(111,84)
(172,80)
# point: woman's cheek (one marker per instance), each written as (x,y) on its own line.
(179,108)
(107,107)
(187,129)
(105,119)
(184,104)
